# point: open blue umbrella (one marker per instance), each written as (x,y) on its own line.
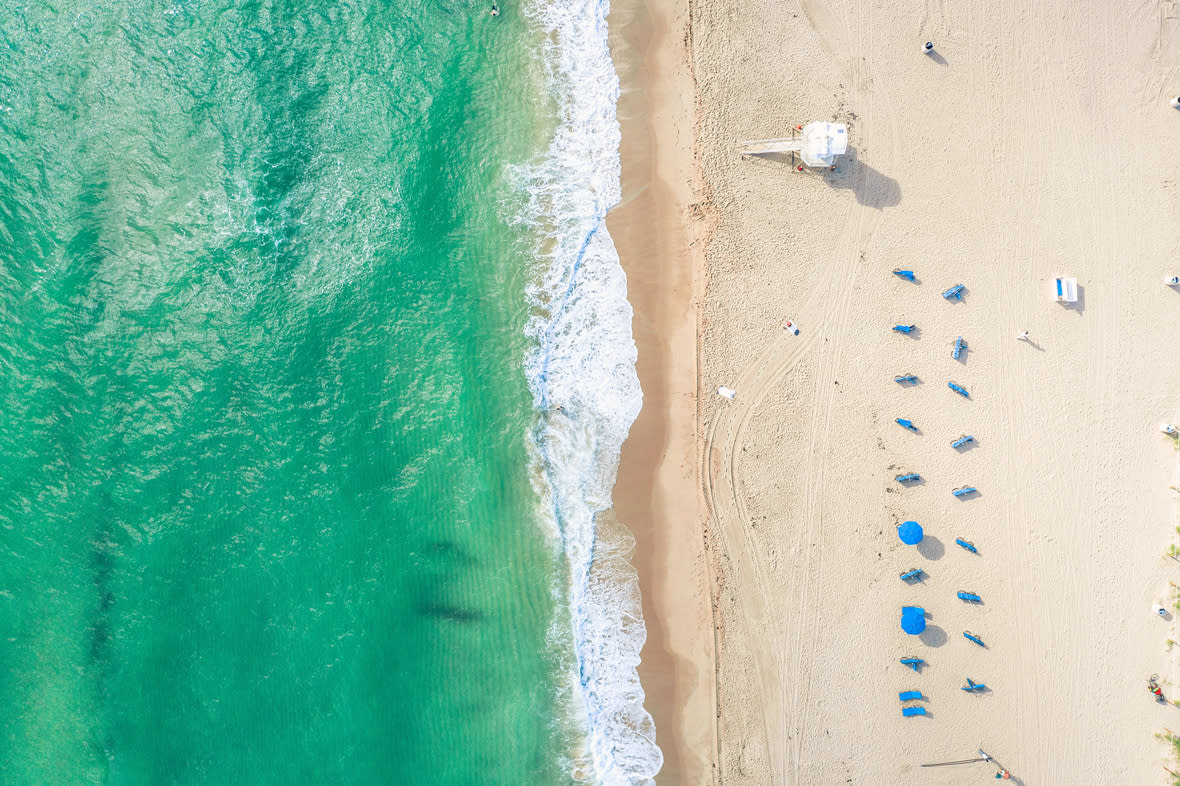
(913,619)
(910,532)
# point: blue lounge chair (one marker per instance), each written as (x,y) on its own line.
(962,391)
(960,345)
(961,441)
(904,328)
(955,292)
(913,663)
(973,686)
(906,379)
(908,275)
(972,637)
(963,491)
(909,477)
(906,424)
(913,573)
(909,712)
(970,597)
(967,545)
(909,695)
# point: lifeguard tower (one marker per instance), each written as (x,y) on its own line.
(816,144)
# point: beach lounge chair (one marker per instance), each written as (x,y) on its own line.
(912,573)
(970,597)
(963,491)
(961,441)
(972,637)
(973,686)
(906,424)
(909,712)
(913,663)
(908,275)
(909,477)
(959,346)
(904,328)
(905,379)
(955,292)
(962,391)
(967,545)
(909,695)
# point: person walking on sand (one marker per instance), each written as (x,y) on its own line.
(1022,335)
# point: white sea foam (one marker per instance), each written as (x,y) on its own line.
(582,374)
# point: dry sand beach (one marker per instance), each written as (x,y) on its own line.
(1036,141)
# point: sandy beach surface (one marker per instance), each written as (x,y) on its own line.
(1036,141)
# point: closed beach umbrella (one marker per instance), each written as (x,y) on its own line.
(910,532)
(913,619)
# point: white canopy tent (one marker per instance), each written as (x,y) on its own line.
(1066,290)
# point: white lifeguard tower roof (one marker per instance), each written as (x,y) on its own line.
(822,142)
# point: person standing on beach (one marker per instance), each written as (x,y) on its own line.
(1022,336)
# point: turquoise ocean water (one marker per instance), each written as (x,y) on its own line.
(314,368)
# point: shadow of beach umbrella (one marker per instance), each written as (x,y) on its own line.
(913,619)
(910,532)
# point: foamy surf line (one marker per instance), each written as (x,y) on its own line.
(582,375)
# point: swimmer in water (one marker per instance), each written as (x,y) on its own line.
(495,10)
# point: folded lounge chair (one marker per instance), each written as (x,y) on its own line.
(955,292)
(909,712)
(970,597)
(908,275)
(904,328)
(913,663)
(972,637)
(913,573)
(905,378)
(967,545)
(960,345)
(906,424)
(909,695)
(909,477)
(961,441)
(963,491)
(962,391)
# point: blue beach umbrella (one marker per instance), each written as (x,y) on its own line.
(913,619)
(910,532)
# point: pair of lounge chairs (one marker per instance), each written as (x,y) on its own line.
(911,695)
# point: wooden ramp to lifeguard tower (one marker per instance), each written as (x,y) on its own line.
(763,147)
